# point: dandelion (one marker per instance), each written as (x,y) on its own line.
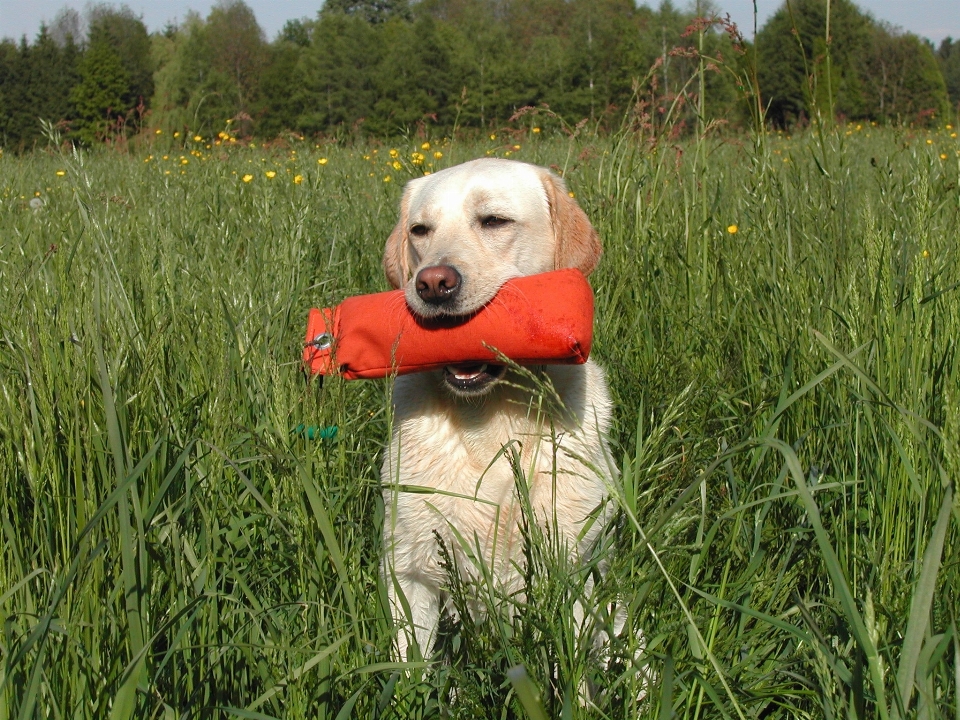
(925,253)
(322,161)
(943,156)
(36,203)
(516,147)
(176,134)
(61,173)
(425,146)
(396,165)
(732,229)
(184,161)
(493,136)
(158,131)
(536,131)
(247,178)
(297,179)
(437,155)
(271,174)
(929,141)
(197,138)
(394,152)
(387,178)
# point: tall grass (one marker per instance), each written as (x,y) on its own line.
(787,421)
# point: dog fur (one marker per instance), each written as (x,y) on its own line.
(491,220)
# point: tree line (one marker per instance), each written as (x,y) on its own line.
(384,67)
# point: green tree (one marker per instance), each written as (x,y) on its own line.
(99,97)
(903,78)
(371,11)
(127,36)
(210,70)
(800,75)
(948,56)
(36,85)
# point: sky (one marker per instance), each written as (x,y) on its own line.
(933,19)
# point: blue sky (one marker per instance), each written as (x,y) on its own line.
(933,19)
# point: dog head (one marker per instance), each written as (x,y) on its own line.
(466,230)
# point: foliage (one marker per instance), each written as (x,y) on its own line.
(868,70)
(99,96)
(388,67)
(127,35)
(948,55)
(779,330)
(35,83)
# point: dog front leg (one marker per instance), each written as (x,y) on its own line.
(415,606)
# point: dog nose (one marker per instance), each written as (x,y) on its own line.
(438,284)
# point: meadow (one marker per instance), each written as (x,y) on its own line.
(184,535)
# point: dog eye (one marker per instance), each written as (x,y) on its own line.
(494,221)
(419,230)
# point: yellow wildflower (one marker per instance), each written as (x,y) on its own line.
(176,134)
(394,152)
(732,229)
(159,131)
(425,146)
(322,161)
(943,156)
(416,158)
(929,141)
(397,165)
(493,136)
(925,253)
(184,161)
(571,194)
(197,138)
(61,173)
(297,179)
(247,178)
(387,178)
(536,130)
(271,174)
(437,154)
(516,147)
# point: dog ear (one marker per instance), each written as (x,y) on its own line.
(578,244)
(396,254)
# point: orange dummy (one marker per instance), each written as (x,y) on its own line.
(544,319)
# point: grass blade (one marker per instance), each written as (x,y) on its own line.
(922,601)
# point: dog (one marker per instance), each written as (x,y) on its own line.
(462,233)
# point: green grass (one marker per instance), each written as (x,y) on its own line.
(787,423)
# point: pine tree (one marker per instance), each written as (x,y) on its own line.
(127,35)
(99,97)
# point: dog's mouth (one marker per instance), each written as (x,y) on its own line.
(473,378)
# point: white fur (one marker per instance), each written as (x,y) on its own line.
(450,444)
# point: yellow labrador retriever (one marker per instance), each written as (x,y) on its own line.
(462,233)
